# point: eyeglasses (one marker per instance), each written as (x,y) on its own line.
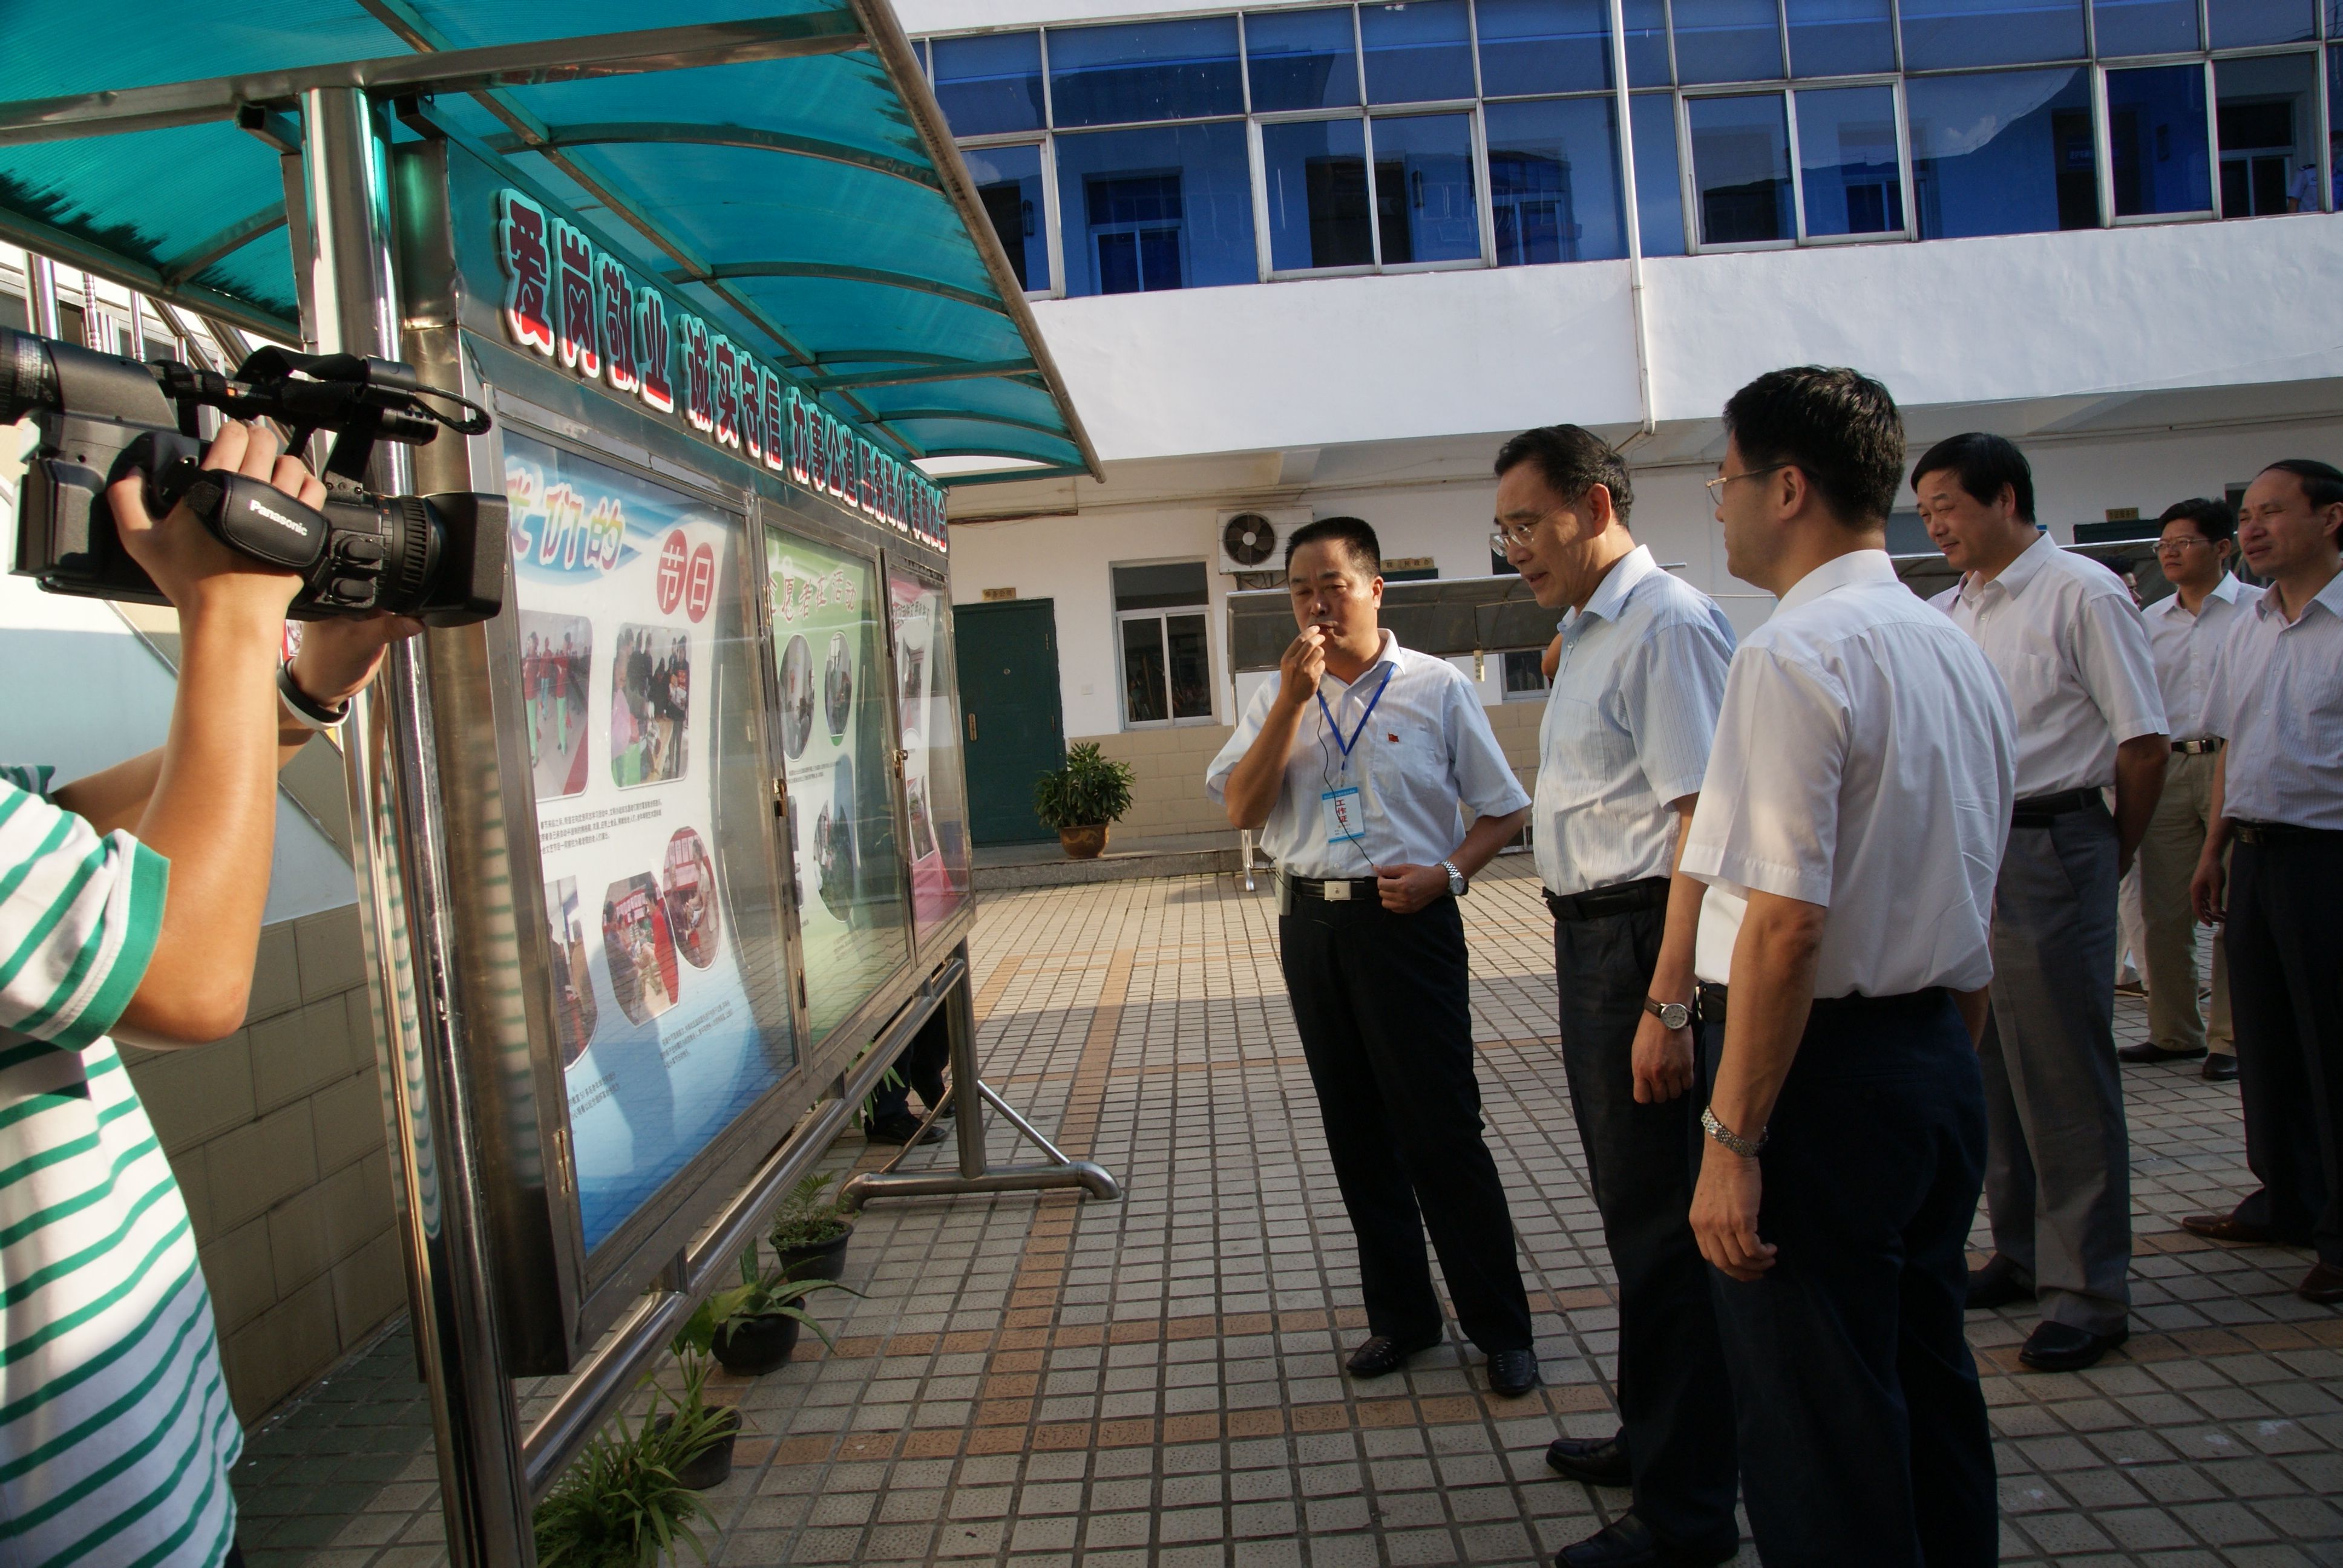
(1508,534)
(2185,542)
(1716,485)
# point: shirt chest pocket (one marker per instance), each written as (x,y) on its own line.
(2036,682)
(1586,745)
(1410,759)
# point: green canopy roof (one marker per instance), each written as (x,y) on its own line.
(779,165)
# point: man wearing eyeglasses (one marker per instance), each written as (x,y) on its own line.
(2185,629)
(2070,648)
(1639,674)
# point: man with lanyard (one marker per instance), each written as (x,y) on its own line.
(1639,674)
(1855,806)
(2185,629)
(1353,761)
(2275,695)
(2073,652)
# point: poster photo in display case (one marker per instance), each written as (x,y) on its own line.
(935,790)
(632,602)
(825,630)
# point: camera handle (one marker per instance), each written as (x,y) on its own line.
(246,514)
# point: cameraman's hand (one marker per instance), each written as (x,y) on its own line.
(192,568)
(337,657)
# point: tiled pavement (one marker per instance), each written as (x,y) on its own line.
(1157,1380)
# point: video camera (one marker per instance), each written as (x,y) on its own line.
(103,420)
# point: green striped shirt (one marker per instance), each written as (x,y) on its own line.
(115,1429)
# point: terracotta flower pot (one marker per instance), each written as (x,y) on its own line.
(1084,843)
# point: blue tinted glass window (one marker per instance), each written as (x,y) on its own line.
(1425,209)
(989,84)
(1659,192)
(1554,181)
(1320,213)
(2156,137)
(2009,152)
(1009,183)
(1417,52)
(1301,59)
(1840,37)
(2236,23)
(1544,46)
(1847,166)
(1146,71)
(1727,40)
(2144,26)
(1166,208)
(1648,65)
(2267,122)
(1942,33)
(1741,168)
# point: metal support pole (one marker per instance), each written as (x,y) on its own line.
(40,284)
(398,822)
(970,1095)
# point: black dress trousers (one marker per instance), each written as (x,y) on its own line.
(1382,1001)
(1674,1393)
(2286,995)
(1863,1431)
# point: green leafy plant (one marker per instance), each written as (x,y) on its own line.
(619,1505)
(1091,790)
(808,1216)
(764,1292)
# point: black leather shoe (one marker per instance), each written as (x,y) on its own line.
(1512,1373)
(1997,1284)
(2059,1347)
(1383,1354)
(1596,1460)
(901,1128)
(2221,1067)
(1630,1544)
(2148,1050)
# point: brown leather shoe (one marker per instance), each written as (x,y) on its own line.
(2239,1232)
(2323,1284)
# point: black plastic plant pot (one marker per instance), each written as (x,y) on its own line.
(822,1263)
(712,1466)
(750,1347)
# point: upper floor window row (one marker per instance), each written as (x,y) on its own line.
(1454,50)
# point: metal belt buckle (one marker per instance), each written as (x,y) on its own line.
(1335,892)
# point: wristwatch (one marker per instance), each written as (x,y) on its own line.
(1457,884)
(1747,1147)
(1673,1015)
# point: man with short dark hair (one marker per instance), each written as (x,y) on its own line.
(2185,629)
(1855,806)
(1354,761)
(2276,695)
(2071,649)
(1639,673)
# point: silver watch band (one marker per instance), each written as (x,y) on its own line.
(1748,1148)
(1459,884)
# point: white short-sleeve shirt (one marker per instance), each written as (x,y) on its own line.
(1626,725)
(1423,748)
(2275,695)
(2184,646)
(2062,632)
(1865,760)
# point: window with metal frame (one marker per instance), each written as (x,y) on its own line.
(1163,613)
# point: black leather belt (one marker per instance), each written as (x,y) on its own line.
(2205,747)
(1618,898)
(2280,833)
(2043,809)
(1708,1001)
(1338,890)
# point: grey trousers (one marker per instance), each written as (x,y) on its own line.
(2057,1175)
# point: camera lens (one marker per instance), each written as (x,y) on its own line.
(28,376)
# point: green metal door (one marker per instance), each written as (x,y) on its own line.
(1010,714)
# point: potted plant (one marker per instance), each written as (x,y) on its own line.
(811,1232)
(698,1436)
(757,1320)
(620,1505)
(1083,799)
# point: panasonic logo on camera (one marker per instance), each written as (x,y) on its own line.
(279,518)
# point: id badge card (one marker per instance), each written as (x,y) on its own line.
(1345,815)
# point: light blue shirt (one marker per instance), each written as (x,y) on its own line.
(2275,695)
(1425,748)
(1627,726)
